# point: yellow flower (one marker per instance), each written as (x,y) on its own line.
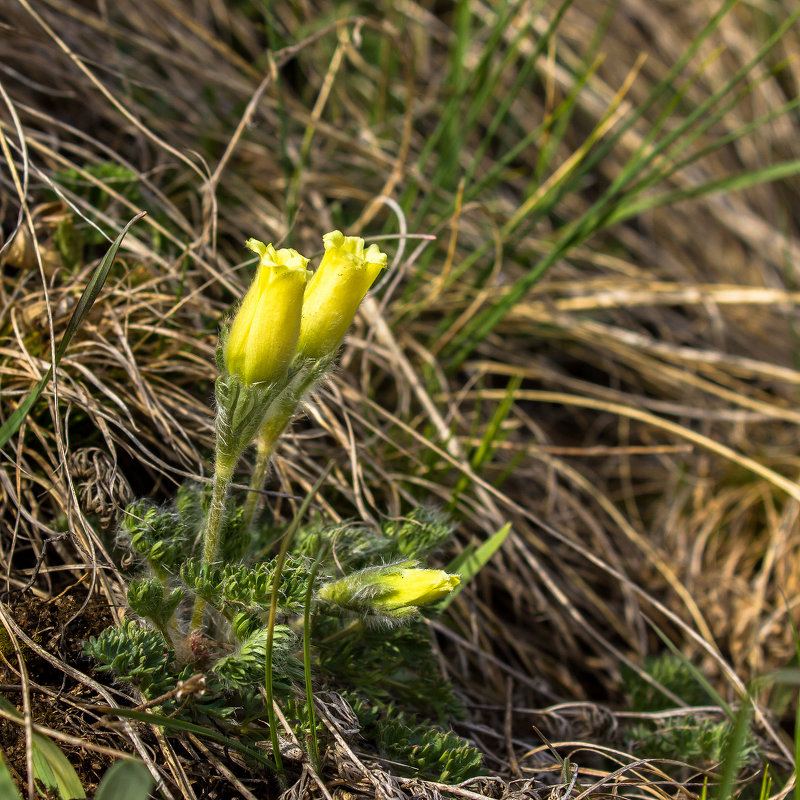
(415,587)
(390,592)
(263,336)
(332,295)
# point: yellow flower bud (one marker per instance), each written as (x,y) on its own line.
(263,336)
(333,294)
(415,587)
(391,593)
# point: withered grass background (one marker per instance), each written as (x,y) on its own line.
(648,457)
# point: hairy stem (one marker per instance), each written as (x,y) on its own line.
(211,535)
(275,423)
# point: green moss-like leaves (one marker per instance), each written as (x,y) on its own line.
(232,588)
(429,751)
(135,653)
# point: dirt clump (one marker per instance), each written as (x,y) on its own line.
(59,626)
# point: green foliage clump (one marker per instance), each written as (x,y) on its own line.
(355,547)
(440,755)
(241,587)
(418,534)
(429,751)
(690,738)
(136,653)
(385,666)
(674,675)
(95,186)
(95,183)
(158,535)
(246,666)
(148,598)
(391,670)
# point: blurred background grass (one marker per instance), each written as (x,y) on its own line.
(589,329)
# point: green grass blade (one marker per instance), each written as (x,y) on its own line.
(465,554)
(468,567)
(312,716)
(521,80)
(692,669)
(665,85)
(492,436)
(8,789)
(644,153)
(766,785)
(90,294)
(797,752)
(672,167)
(589,63)
(730,183)
(558,118)
(458,118)
(680,133)
(51,767)
(483,322)
(174,724)
(453,131)
(796,637)
(127,779)
(494,432)
(273,610)
(733,751)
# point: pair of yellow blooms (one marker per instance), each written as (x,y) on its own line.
(289,312)
(287,315)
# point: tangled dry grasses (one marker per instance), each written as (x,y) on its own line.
(633,414)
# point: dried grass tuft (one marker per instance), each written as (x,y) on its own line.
(648,457)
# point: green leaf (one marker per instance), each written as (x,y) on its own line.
(127,779)
(10,709)
(8,788)
(470,563)
(90,294)
(726,184)
(734,751)
(51,767)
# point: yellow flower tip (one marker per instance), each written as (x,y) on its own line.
(335,239)
(333,294)
(416,587)
(259,248)
(270,257)
(263,336)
